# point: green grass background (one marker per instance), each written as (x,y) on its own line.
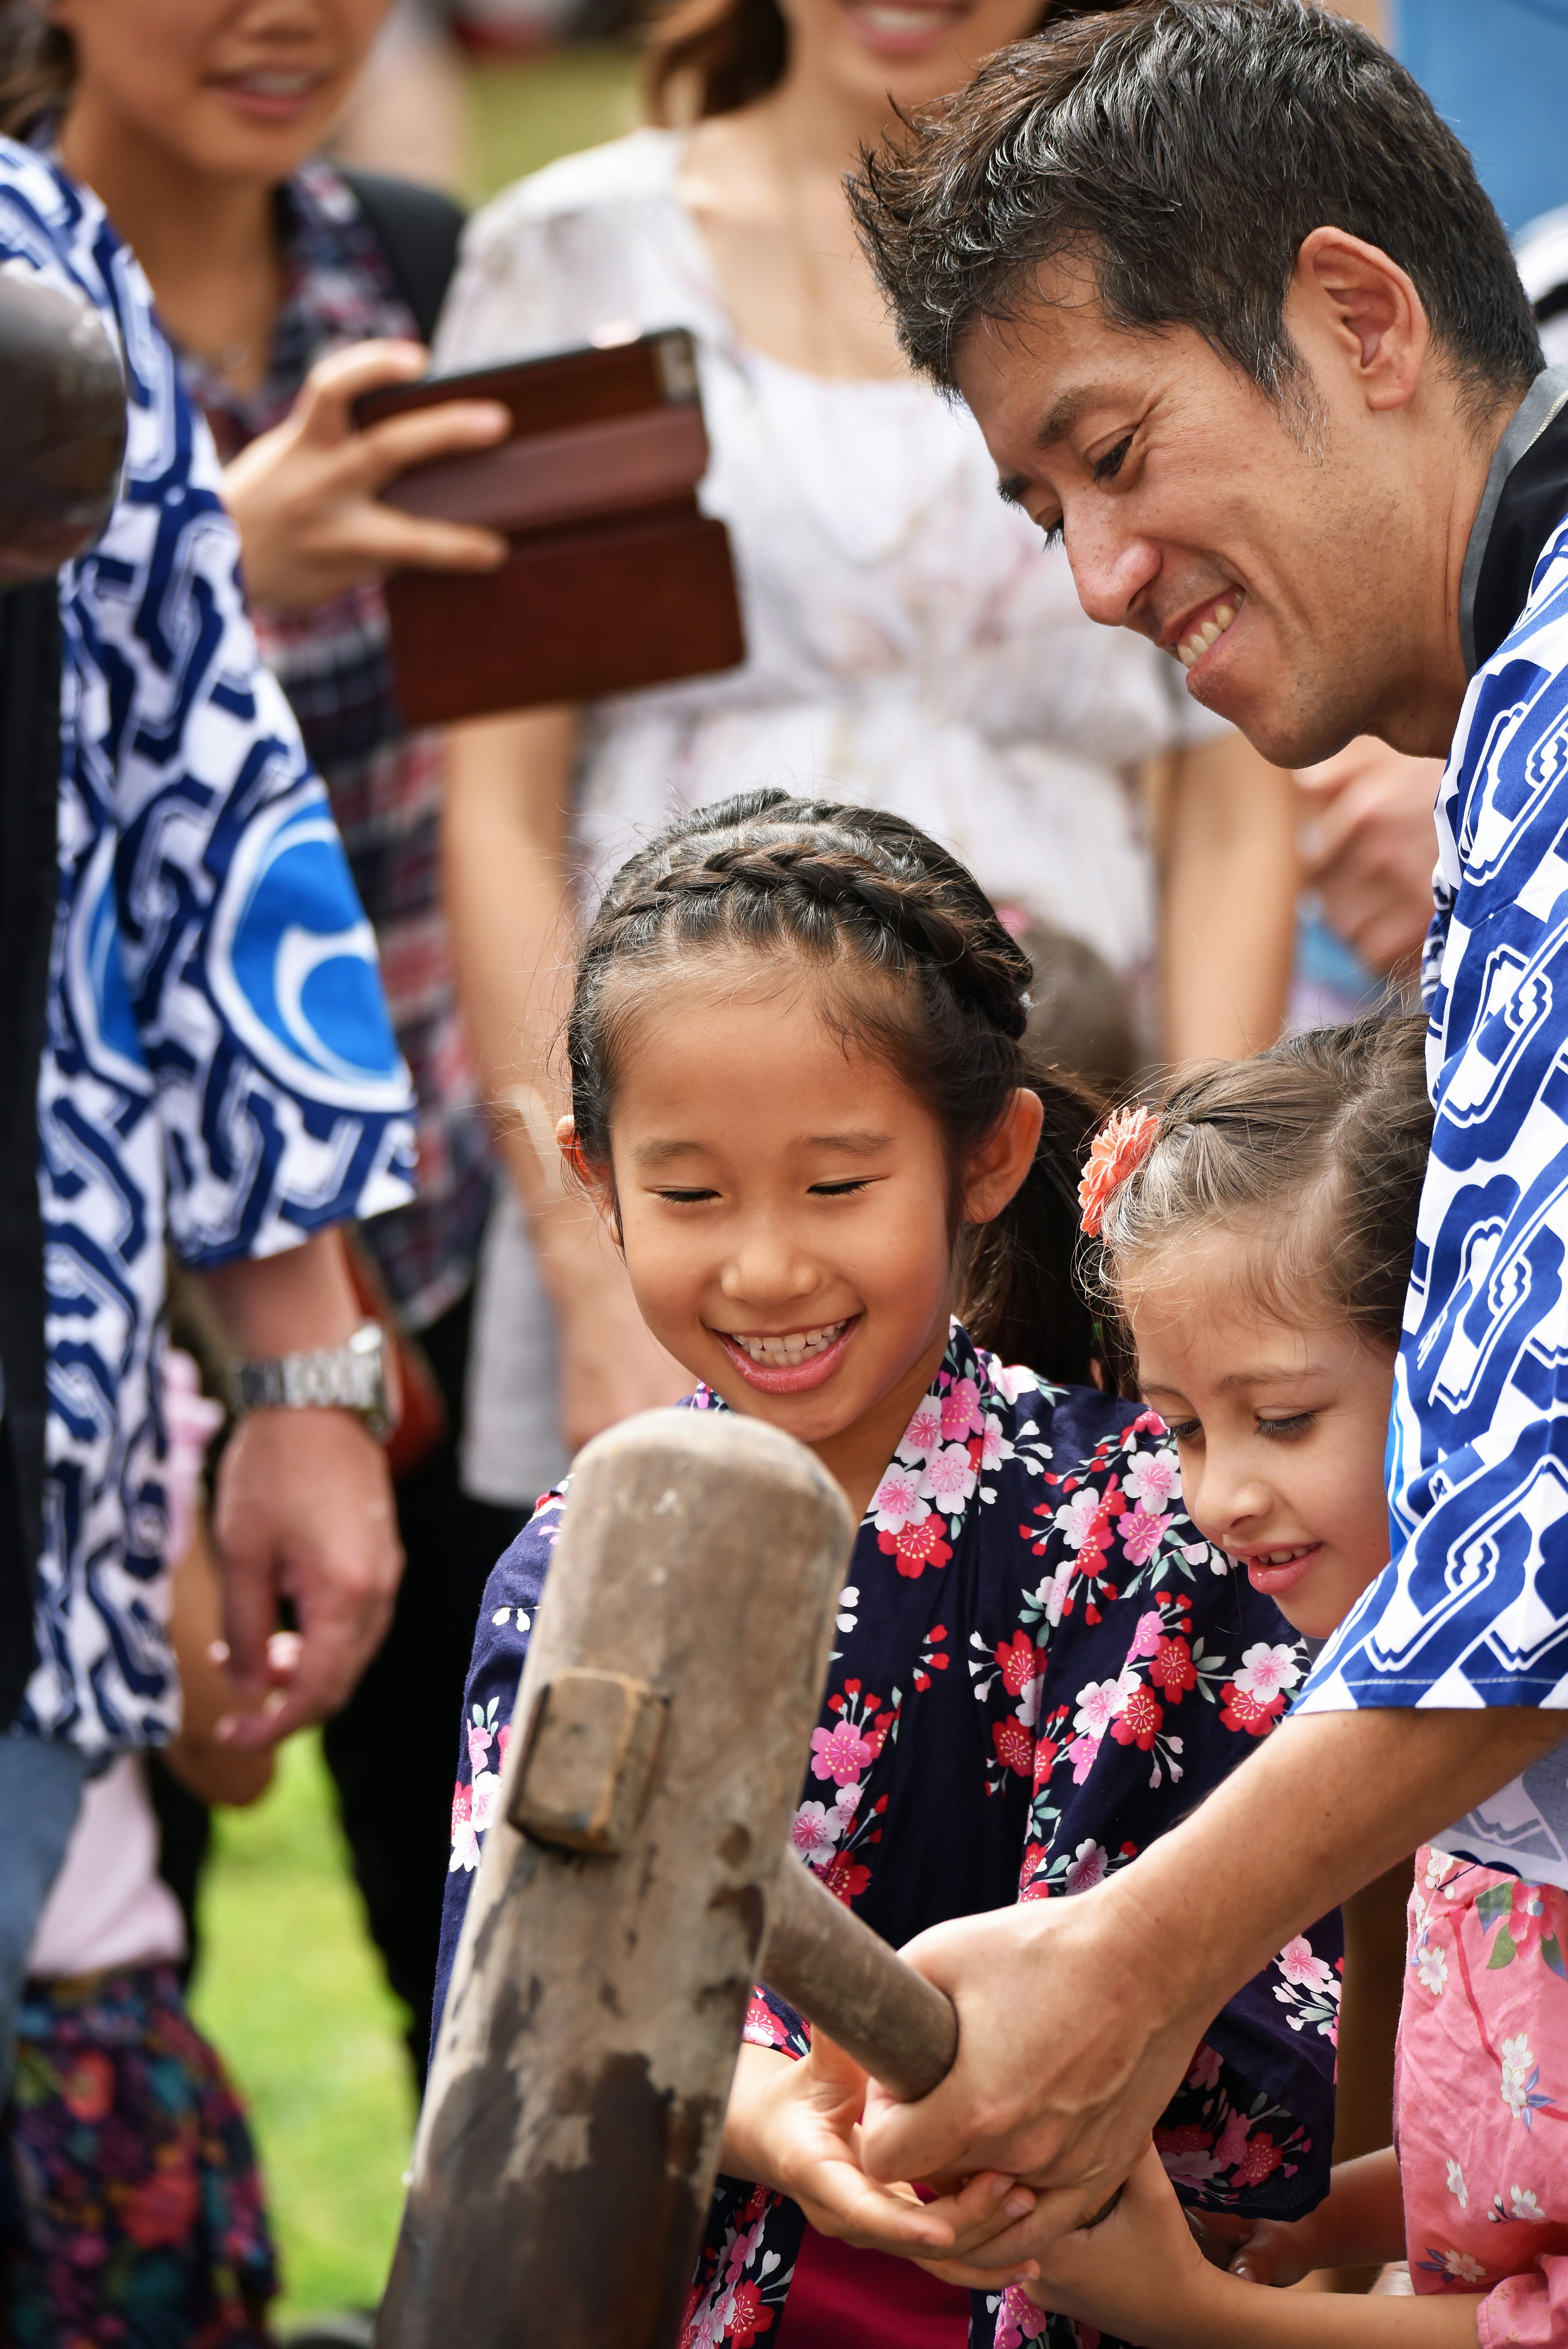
(289,1987)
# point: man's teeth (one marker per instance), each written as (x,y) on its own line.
(794,1347)
(1198,643)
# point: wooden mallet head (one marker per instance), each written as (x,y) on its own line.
(62,428)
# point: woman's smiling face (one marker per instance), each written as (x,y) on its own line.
(783,1202)
(1281,1429)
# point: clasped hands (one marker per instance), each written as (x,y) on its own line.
(1140,2272)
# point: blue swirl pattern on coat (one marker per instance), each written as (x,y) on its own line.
(1473,1607)
(219,1069)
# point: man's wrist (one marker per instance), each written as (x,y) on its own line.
(351,1378)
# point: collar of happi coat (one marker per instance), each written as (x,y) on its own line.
(1524,500)
(960,1429)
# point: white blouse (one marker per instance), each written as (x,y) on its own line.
(911,643)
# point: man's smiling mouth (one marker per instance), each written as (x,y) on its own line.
(1204,633)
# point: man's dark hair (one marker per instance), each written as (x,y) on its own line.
(1187,148)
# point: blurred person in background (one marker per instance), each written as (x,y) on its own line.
(288,291)
(911,643)
(409,111)
(145,2214)
(198,1057)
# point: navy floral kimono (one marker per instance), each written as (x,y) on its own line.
(1041,1668)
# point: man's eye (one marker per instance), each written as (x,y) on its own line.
(1293,1425)
(1108,466)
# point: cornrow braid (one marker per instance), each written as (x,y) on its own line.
(916,968)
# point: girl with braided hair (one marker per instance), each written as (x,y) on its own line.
(802,1103)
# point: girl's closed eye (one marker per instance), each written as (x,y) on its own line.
(1295,1423)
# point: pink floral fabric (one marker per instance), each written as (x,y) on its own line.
(1481,2097)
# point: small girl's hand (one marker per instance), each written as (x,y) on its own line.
(1139,2273)
(1263,2250)
(796,2127)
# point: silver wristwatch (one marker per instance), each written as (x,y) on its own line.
(351,1377)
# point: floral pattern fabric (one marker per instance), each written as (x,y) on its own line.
(145,2224)
(1480,2092)
(1041,1666)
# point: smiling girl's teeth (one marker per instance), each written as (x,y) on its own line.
(1285,1556)
(1194,646)
(794,1347)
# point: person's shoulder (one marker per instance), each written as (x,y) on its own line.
(49,225)
(634,170)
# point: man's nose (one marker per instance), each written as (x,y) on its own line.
(1111,564)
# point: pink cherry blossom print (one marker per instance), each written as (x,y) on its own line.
(1075,1518)
(961,1409)
(924,1434)
(1232,2142)
(1089,1865)
(1267,1671)
(1081,1755)
(949,1477)
(897,1501)
(465,1843)
(840,1754)
(996,1448)
(816,1829)
(1298,1965)
(1152,1477)
(1099,1703)
(1141,1535)
(485,1793)
(480,1744)
(1147,1638)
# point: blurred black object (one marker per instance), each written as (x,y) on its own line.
(62,428)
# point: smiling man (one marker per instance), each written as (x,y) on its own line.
(1237,320)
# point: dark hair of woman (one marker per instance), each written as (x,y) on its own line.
(914,968)
(712,57)
(37,68)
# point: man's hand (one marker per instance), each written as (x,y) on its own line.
(1076,2018)
(304,1509)
(305,499)
(1368,845)
(1065,2059)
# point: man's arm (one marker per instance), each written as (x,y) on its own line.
(304,1509)
(1077,2018)
(1228,911)
(512,921)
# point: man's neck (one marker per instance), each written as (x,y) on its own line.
(1421,716)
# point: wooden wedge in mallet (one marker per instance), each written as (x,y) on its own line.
(636,1878)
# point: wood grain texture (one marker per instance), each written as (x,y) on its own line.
(570,2127)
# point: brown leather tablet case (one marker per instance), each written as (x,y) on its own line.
(614,579)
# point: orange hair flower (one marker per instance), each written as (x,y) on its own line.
(1118,1150)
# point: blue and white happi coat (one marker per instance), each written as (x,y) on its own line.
(219,1069)
(1473,1608)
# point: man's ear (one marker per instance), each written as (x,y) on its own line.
(999,1165)
(1348,301)
(598,1182)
